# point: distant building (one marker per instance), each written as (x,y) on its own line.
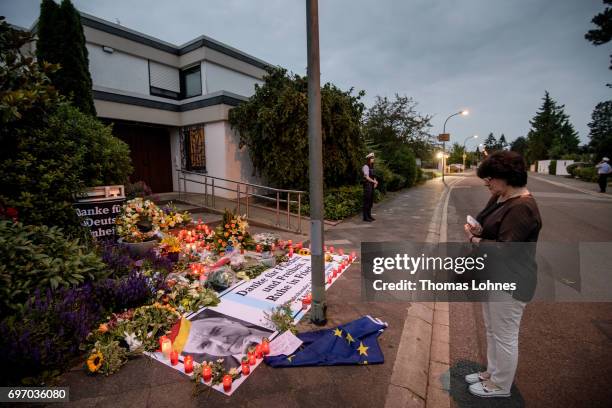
(170,103)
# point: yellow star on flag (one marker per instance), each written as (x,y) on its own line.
(364,362)
(349,338)
(362,349)
(290,358)
(338,332)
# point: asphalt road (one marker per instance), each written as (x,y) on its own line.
(565,357)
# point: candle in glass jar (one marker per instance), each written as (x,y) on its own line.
(174,358)
(227,382)
(206,373)
(166,347)
(252,359)
(272,247)
(188,363)
(245,367)
(353,256)
(258,248)
(258,351)
(265,346)
(290,252)
(331,249)
(161,340)
(341,252)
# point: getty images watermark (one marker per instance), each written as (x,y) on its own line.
(408,271)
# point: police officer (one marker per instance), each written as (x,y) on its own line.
(369,184)
(603,170)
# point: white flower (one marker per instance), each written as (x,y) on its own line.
(132,341)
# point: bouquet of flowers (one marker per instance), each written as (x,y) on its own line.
(173,218)
(148,323)
(187,296)
(233,232)
(139,221)
(266,239)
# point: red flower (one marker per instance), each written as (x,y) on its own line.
(12,213)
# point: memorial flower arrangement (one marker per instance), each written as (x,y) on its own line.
(187,296)
(218,371)
(266,240)
(140,220)
(173,218)
(148,323)
(107,357)
(233,232)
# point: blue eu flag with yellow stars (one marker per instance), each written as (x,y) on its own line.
(352,343)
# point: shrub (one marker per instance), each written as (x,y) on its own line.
(552,167)
(587,173)
(41,257)
(137,189)
(130,291)
(403,162)
(47,333)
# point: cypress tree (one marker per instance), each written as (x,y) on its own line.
(61,40)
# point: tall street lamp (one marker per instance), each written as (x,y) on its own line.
(464,142)
(444,137)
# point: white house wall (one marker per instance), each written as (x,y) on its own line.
(118,70)
(219,78)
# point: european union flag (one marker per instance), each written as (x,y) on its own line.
(352,343)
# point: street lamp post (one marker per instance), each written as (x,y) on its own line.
(464,142)
(464,113)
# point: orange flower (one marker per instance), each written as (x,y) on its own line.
(103,328)
(233,225)
(226,225)
(227,234)
(220,241)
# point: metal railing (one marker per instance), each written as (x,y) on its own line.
(247,195)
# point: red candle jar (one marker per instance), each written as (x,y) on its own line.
(245,368)
(206,373)
(290,252)
(272,247)
(341,251)
(252,359)
(227,382)
(353,256)
(265,346)
(188,363)
(335,272)
(258,351)
(329,279)
(290,242)
(331,249)
(174,358)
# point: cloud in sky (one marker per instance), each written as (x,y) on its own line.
(493,57)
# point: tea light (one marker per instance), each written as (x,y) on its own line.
(166,347)
(206,373)
(245,368)
(174,358)
(188,363)
(265,346)
(227,382)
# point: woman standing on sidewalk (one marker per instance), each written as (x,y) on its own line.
(369,184)
(511,215)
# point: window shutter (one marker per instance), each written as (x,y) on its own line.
(164,77)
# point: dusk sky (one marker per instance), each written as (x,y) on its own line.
(495,58)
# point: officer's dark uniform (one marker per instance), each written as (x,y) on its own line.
(368,195)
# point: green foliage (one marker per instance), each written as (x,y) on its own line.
(61,41)
(519,145)
(491,144)
(551,135)
(603,33)
(114,356)
(586,173)
(273,125)
(552,167)
(342,202)
(282,318)
(402,161)
(39,257)
(49,166)
(601,130)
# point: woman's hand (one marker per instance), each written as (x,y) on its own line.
(469,232)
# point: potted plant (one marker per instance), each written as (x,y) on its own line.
(138,225)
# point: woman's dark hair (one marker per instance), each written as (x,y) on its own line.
(505,165)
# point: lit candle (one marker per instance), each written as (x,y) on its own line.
(340,251)
(353,256)
(161,340)
(166,347)
(245,366)
(272,247)
(206,373)
(329,279)
(227,382)
(252,359)
(335,272)
(290,242)
(265,346)
(290,252)
(258,248)
(188,363)
(258,351)
(174,358)
(331,249)
(325,248)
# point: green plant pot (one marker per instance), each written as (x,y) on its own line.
(139,248)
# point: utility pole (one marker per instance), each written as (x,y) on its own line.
(315,156)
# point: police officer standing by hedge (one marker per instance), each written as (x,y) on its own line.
(603,171)
(369,184)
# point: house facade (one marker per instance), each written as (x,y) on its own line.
(170,103)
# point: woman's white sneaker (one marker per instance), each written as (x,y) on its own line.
(477,377)
(487,389)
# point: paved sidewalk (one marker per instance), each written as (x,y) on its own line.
(406,216)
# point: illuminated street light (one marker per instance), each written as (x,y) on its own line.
(446,137)
(464,142)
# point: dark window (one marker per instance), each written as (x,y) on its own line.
(194,153)
(164,93)
(191,82)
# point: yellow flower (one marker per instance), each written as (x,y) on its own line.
(94,362)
